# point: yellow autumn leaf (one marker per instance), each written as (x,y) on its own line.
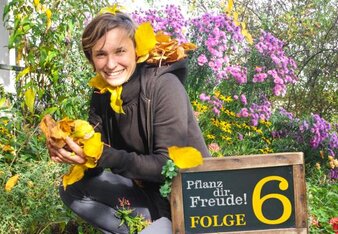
(66,125)
(57,133)
(48,14)
(99,83)
(11,182)
(112,9)
(36,2)
(185,157)
(82,129)
(162,37)
(243,25)
(23,73)
(37,5)
(235,16)
(19,54)
(30,99)
(93,147)
(145,39)
(115,99)
(49,18)
(143,58)
(75,174)
(247,36)
(230,6)
(90,163)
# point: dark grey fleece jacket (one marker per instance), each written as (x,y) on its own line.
(158,115)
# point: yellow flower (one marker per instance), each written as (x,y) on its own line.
(226,99)
(318,166)
(332,166)
(259,131)
(185,157)
(267,140)
(211,137)
(266,150)
(226,138)
(145,41)
(11,182)
(230,113)
(335,162)
(330,157)
(217,93)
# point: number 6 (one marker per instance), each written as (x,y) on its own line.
(257,200)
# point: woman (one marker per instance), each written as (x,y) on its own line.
(155,114)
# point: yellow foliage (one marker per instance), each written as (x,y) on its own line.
(111,9)
(49,18)
(75,174)
(93,147)
(82,129)
(230,6)
(30,99)
(115,98)
(185,157)
(160,48)
(11,182)
(145,39)
(23,73)
(83,134)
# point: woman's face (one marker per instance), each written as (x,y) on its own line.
(114,57)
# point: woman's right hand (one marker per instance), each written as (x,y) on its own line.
(74,155)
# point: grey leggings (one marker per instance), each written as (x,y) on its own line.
(95,200)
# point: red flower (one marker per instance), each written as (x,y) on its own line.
(334,223)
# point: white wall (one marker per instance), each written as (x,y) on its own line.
(6,57)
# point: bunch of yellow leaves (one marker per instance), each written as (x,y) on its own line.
(160,48)
(83,134)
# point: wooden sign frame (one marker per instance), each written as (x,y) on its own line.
(294,159)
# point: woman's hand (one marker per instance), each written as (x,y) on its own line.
(74,155)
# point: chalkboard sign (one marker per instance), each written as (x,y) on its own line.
(243,194)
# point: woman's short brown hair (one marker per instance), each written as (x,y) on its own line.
(100,25)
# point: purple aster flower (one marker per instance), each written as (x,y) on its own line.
(202,59)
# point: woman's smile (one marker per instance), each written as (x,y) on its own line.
(114,57)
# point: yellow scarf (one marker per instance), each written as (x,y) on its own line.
(115,98)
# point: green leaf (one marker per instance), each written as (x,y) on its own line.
(49,110)
(2,101)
